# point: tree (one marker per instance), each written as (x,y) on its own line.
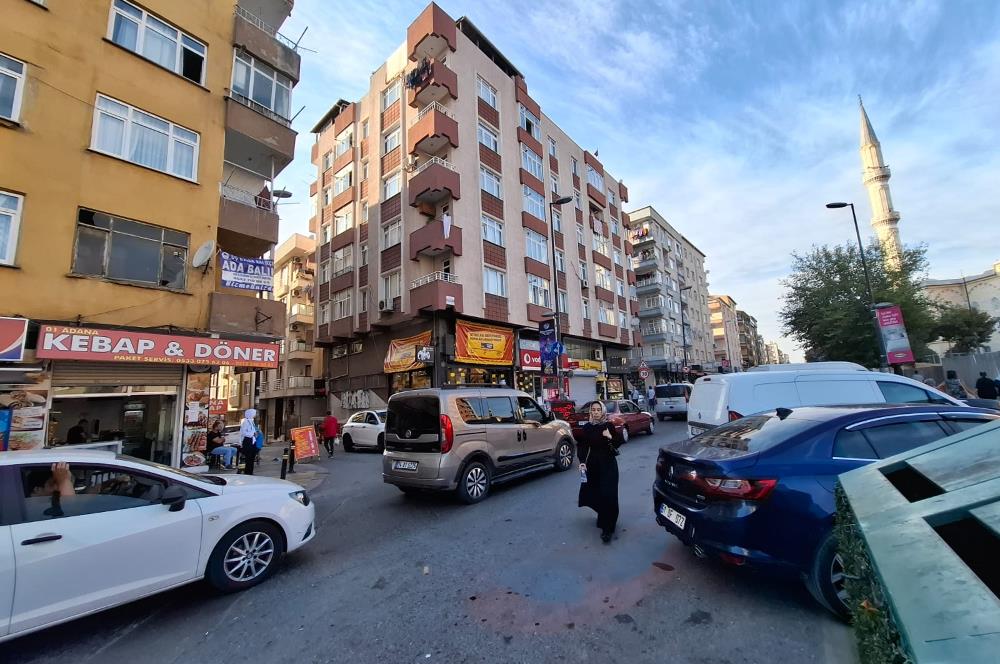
(826,306)
(965,329)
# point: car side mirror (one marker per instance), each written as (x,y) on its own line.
(175,497)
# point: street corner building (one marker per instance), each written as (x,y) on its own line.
(140,143)
(453,216)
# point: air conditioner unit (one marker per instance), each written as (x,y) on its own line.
(584,283)
(294,327)
(598,354)
(384,305)
(296,292)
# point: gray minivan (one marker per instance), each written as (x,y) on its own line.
(464,439)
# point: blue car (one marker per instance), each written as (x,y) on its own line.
(759,491)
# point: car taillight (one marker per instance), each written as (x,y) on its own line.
(661,467)
(724,487)
(447,434)
(733,416)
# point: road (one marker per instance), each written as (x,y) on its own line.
(521,577)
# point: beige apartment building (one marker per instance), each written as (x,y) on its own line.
(671,288)
(436,219)
(725,332)
(980,291)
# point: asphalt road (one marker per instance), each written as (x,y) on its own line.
(521,577)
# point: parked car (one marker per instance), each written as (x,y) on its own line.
(672,400)
(364,429)
(232,433)
(132,528)
(990,404)
(625,415)
(467,439)
(721,398)
(760,491)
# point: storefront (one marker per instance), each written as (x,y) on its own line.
(405,363)
(484,355)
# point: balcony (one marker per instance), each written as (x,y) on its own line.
(433,182)
(248,226)
(429,240)
(434,128)
(435,292)
(646,261)
(302,314)
(296,350)
(655,336)
(646,287)
(292,386)
(255,134)
(243,314)
(641,236)
(265,43)
(431,33)
(429,82)
(659,311)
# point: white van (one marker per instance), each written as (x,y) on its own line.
(720,398)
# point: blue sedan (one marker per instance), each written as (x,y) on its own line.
(759,491)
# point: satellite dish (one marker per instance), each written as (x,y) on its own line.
(204,254)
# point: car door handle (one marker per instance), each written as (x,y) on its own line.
(40,539)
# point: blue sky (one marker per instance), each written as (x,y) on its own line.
(736,120)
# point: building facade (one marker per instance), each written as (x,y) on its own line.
(672,291)
(981,292)
(750,347)
(773,354)
(725,333)
(436,219)
(139,143)
(875,174)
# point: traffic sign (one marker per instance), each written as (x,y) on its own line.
(643,365)
(643,373)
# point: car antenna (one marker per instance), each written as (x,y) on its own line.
(782,413)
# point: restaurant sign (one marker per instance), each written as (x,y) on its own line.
(402,353)
(65,342)
(483,344)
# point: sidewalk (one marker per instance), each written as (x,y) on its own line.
(307,475)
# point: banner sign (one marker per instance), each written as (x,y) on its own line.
(196,415)
(64,342)
(217,406)
(306,444)
(476,343)
(256,274)
(13,332)
(894,338)
(549,346)
(402,353)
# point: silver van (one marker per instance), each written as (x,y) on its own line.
(465,439)
(672,400)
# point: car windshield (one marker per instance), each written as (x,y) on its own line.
(752,434)
(202,479)
(669,391)
(381,415)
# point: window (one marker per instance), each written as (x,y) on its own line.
(390,95)
(577,201)
(529,122)
(343,260)
(343,220)
(324,313)
(492,230)
(392,234)
(552,146)
(364,255)
(328,160)
(563,301)
(623,319)
(556,220)
(390,186)
(10,223)
(488,137)
(574,166)
(98,489)
(530,412)
(327,196)
(487,92)
(390,287)
(494,282)
(364,209)
(255,81)
(364,170)
(344,142)
(532,202)
(324,272)
(617,257)
(490,182)
(601,244)
(342,304)
(362,300)
(536,246)
(142,33)
(594,178)
(501,410)
(606,315)
(579,234)
(964,424)
(900,437)
(11,87)
(128,133)
(583,271)
(902,393)
(126,250)
(561,262)
(654,327)
(586,308)
(538,290)
(852,445)
(611,197)
(343,180)
(615,230)
(364,128)
(390,141)
(603,277)
(554,184)
(531,162)
(357,418)
(621,287)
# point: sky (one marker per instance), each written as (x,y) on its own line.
(736,120)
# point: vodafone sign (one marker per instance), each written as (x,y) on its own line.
(531,360)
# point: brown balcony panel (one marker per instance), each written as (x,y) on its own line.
(434,296)
(563,321)
(630,275)
(314,158)
(633,307)
(596,196)
(266,47)
(626,337)
(604,294)
(390,258)
(496,308)
(242,314)
(390,116)
(522,97)
(432,133)
(579,216)
(536,314)
(433,184)
(600,259)
(313,188)
(576,181)
(345,118)
(488,113)
(582,251)
(342,281)
(606,330)
(534,223)
(533,183)
(246,230)
(587,330)
(341,240)
(613,210)
(323,333)
(492,205)
(324,293)
(489,158)
(391,208)
(343,198)
(431,33)
(495,255)
(324,252)
(559,239)
(391,160)
(623,193)
(343,160)
(363,276)
(592,161)
(628,247)
(362,322)
(619,271)
(363,145)
(561,280)
(622,303)
(537,268)
(530,141)
(429,240)
(342,328)
(253,137)
(439,82)
(553,164)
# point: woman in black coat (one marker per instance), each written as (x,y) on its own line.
(599,469)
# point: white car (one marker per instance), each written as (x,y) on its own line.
(131,528)
(364,429)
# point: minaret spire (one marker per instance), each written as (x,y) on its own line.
(876,176)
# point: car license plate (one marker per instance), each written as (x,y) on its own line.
(404,465)
(673,516)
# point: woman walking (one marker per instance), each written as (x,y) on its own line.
(599,470)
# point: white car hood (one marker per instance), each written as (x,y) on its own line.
(235,483)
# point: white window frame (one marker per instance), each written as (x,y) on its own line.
(342,261)
(15,225)
(532,202)
(536,246)
(574,166)
(538,290)
(531,162)
(392,234)
(363,300)
(493,281)
(600,244)
(493,230)
(554,184)
(552,147)
(556,219)
(562,299)
(391,185)
(586,308)
(342,304)
(19,76)
(607,316)
(529,122)
(147,21)
(277,79)
(324,316)
(492,137)
(623,320)
(345,141)
(603,278)
(617,257)
(324,233)
(580,239)
(620,286)
(386,291)
(560,261)
(577,200)
(488,176)
(343,180)
(390,141)
(594,178)
(486,92)
(324,272)
(391,94)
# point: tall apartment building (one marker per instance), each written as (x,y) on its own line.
(139,138)
(671,286)
(750,346)
(435,280)
(725,333)
(774,354)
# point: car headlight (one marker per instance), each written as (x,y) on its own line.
(300,497)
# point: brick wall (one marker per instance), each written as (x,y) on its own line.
(391,258)
(489,158)
(495,255)
(492,205)
(496,308)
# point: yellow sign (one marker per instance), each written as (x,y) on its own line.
(402,353)
(476,343)
(594,365)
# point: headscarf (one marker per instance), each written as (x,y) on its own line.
(604,413)
(250,413)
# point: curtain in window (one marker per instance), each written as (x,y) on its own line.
(183,160)
(110,134)
(125,33)
(241,78)
(149,147)
(160,49)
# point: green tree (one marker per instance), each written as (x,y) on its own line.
(826,306)
(965,329)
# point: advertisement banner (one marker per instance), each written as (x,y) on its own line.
(196,414)
(13,332)
(476,343)
(894,339)
(256,274)
(549,346)
(402,353)
(306,444)
(64,342)
(25,402)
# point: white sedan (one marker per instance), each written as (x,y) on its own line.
(84,531)
(364,429)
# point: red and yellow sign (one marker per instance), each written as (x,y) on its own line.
(476,343)
(306,445)
(402,353)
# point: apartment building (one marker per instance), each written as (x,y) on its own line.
(751,343)
(140,142)
(725,333)
(437,215)
(672,290)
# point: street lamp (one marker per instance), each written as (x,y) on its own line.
(555,283)
(684,343)
(868,280)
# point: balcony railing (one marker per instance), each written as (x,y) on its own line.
(432,277)
(256,21)
(434,160)
(434,106)
(289,383)
(260,108)
(296,347)
(229,192)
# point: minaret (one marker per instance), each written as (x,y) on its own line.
(876,175)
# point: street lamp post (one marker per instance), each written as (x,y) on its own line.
(555,292)
(868,280)
(684,343)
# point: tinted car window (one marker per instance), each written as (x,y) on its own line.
(473,410)
(357,418)
(901,393)
(852,445)
(381,415)
(95,489)
(891,439)
(501,410)
(668,391)
(530,409)
(417,414)
(752,434)
(963,424)
(371,419)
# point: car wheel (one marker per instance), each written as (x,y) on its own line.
(624,435)
(245,556)
(826,580)
(651,427)
(474,485)
(348,443)
(564,455)
(380,446)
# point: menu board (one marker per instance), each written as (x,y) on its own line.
(306,445)
(197,393)
(27,400)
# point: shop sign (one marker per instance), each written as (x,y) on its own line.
(64,342)
(402,353)
(589,365)
(217,407)
(256,274)
(306,445)
(894,337)
(476,343)
(425,354)
(549,346)
(13,332)
(531,360)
